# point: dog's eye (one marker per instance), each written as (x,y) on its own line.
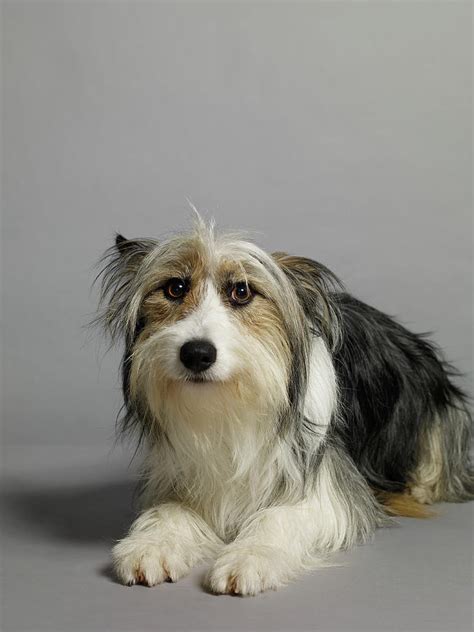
(174,289)
(240,293)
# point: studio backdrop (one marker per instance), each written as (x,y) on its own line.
(339,131)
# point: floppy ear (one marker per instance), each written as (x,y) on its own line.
(315,286)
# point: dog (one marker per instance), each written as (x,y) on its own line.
(282,418)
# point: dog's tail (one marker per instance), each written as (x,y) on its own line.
(402,504)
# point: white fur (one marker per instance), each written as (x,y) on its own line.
(164,543)
(272,546)
(226,470)
(321,396)
(276,544)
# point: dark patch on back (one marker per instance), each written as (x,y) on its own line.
(392,384)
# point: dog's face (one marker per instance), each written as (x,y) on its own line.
(212,333)
(212,324)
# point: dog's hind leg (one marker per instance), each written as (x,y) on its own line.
(444,472)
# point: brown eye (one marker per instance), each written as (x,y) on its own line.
(241,293)
(174,289)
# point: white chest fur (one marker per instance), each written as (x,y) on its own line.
(232,468)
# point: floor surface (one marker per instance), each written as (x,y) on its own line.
(63,508)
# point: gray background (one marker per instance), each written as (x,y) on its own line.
(338,130)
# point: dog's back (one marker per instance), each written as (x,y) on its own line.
(404,423)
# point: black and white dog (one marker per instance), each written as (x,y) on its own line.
(283,419)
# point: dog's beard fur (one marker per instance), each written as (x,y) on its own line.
(261,453)
(215,430)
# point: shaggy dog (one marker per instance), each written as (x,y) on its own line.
(282,418)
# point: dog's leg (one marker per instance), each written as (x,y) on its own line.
(444,471)
(427,479)
(164,543)
(274,545)
(277,543)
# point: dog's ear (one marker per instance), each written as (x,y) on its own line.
(131,248)
(315,286)
(131,251)
(310,279)
(120,242)
(120,265)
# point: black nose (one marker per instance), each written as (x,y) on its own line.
(198,355)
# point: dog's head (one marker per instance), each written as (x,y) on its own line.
(214,326)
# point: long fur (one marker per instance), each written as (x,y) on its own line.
(403,414)
(318,411)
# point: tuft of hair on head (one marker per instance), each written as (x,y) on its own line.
(402,504)
(201,225)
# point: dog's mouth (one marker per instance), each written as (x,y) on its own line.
(199,379)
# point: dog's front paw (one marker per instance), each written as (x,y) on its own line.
(249,570)
(137,561)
